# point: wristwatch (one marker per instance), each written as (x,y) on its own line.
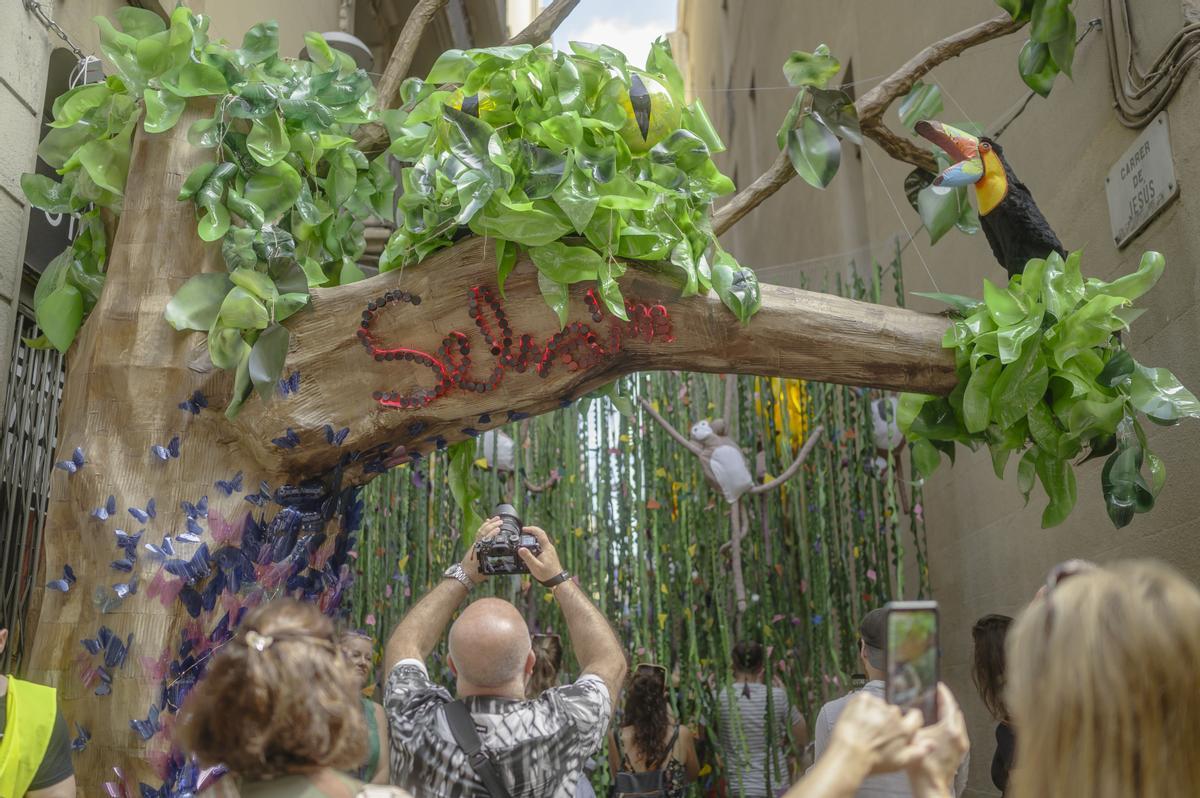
(554,581)
(458,573)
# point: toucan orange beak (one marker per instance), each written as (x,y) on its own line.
(963,149)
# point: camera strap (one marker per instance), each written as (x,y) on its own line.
(462,726)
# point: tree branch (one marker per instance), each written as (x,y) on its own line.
(397,67)
(870,108)
(790,471)
(898,147)
(662,422)
(470,383)
(545,23)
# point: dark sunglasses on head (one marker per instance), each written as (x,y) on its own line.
(650,669)
(545,636)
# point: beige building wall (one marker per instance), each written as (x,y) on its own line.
(987,553)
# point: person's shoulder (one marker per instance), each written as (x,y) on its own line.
(834,707)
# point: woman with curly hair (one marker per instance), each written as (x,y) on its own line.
(279,707)
(651,753)
(987,672)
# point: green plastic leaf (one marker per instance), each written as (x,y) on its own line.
(1160,395)
(1117,369)
(319,51)
(532,228)
(556,295)
(199,80)
(1019,10)
(681,258)
(462,487)
(1062,49)
(924,101)
(977,398)
(214,223)
(811,69)
(241,385)
(926,457)
(267,357)
(962,305)
(736,286)
(77,103)
(59,315)
(452,66)
(790,118)
(226,347)
(139,22)
(835,109)
(1027,473)
(256,283)
(242,310)
(1134,285)
(198,301)
(47,194)
(1058,480)
(1037,68)
(260,43)
(1003,306)
(1020,385)
(506,261)
(274,189)
(566,264)
(610,291)
(268,140)
(814,151)
(941,211)
(162,110)
(107,160)
(61,144)
(1051,19)
(195,179)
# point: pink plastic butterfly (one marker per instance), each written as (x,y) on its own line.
(164,588)
(223,532)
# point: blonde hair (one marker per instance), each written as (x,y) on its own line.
(1103,689)
(278,699)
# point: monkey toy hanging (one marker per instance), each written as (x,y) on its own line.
(726,471)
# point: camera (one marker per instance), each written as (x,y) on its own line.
(498,555)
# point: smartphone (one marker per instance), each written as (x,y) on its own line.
(911,656)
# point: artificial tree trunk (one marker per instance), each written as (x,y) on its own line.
(129,372)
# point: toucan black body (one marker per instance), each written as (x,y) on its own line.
(1015,228)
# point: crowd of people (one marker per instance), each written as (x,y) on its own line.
(1092,688)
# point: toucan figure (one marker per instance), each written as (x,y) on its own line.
(1011,221)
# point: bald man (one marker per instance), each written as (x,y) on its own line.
(537,747)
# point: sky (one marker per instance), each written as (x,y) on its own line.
(628,25)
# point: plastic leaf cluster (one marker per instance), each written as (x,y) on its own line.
(817,119)
(577,158)
(1043,374)
(286,194)
(1052,36)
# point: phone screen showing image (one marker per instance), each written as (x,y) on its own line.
(912,656)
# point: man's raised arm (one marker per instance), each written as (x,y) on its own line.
(418,633)
(597,648)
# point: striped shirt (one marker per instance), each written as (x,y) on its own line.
(538,747)
(744,725)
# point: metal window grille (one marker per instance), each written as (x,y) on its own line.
(27,439)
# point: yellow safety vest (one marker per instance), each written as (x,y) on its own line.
(31,710)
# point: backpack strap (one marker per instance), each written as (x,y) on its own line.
(669,750)
(462,726)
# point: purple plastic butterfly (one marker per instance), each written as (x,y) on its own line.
(289,384)
(289,440)
(124,564)
(193,527)
(167,549)
(105,686)
(197,510)
(260,498)
(230,486)
(74,464)
(146,728)
(141,515)
(64,584)
(107,511)
(191,570)
(165,453)
(336,438)
(128,542)
(125,589)
(187,537)
(81,741)
(194,404)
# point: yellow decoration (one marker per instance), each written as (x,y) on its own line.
(660,472)
(623,438)
(692,550)
(856,550)
(662,621)
(482,463)
(664,114)
(578,531)
(403,562)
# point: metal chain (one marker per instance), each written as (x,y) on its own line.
(35,8)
